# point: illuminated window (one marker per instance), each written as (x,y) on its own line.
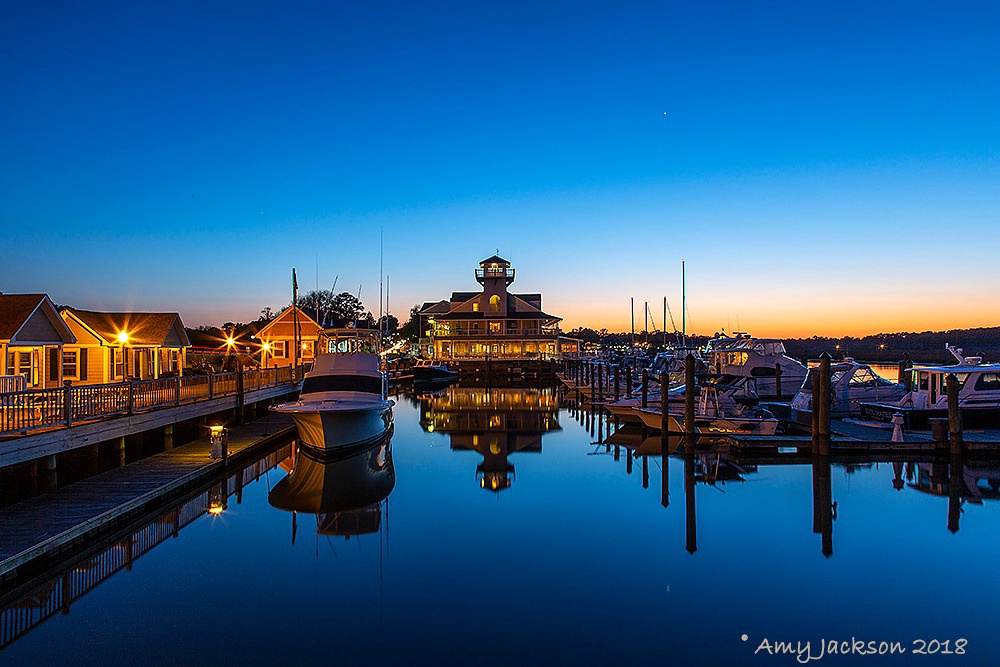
(69,363)
(278,348)
(494,327)
(475,306)
(494,304)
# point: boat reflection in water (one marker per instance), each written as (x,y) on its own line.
(345,491)
(494,422)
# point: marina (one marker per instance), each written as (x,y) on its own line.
(361,545)
(505,334)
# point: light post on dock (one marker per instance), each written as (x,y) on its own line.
(123,339)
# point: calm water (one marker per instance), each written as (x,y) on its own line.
(509,537)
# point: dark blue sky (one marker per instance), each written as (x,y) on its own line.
(186,157)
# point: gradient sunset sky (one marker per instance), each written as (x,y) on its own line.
(822,168)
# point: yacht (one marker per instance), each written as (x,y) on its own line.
(343,401)
(851,384)
(433,370)
(758,359)
(927,398)
(715,410)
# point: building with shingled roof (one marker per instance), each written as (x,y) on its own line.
(111,347)
(493,323)
(32,337)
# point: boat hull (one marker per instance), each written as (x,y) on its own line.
(334,425)
(703,424)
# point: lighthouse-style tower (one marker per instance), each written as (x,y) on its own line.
(495,275)
(493,324)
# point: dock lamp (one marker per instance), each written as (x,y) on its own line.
(264,349)
(123,339)
(220,442)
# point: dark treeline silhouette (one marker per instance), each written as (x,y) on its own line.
(922,347)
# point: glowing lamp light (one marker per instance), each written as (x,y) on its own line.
(216,431)
(230,341)
(266,347)
(122,337)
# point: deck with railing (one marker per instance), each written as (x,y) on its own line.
(33,409)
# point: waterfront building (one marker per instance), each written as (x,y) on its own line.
(32,338)
(111,347)
(493,323)
(278,338)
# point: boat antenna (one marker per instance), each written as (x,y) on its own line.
(359,301)
(333,293)
(664,320)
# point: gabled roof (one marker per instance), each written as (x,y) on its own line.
(288,314)
(441,306)
(16,310)
(495,259)
(153,329)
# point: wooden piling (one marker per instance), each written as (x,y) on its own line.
(664,405)
(956,473)
(600,382)
(689,390)
(664,469)
(904,367)
(824,501)
(645,472)
(777,379)
(168,437)
(645,388)
(690,518)
(954,417)
(628,380)
(617,382)
(822,438)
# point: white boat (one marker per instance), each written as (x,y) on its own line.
(343,400)
(851,384)
(927,398)
(715,410)
(758,359)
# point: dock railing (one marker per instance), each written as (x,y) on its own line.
(30,409)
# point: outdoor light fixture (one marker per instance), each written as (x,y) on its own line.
(220,442)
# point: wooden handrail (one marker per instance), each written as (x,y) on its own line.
(31,409)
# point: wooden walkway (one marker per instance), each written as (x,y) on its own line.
(48,523)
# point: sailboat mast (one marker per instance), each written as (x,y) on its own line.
(664,320)
(684,307)
(632,302)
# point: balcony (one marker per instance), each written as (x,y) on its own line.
(505,274)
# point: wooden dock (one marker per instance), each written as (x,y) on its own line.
(36,530)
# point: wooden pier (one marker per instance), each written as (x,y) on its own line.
(593,383)
(35,531)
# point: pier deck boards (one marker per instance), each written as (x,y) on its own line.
(46,523)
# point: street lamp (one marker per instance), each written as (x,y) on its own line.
(264,349)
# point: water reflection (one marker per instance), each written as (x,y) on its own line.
(26,606)
(344,491)
(495,422)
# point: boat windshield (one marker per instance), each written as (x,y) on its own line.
(349,341)
(765,347)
